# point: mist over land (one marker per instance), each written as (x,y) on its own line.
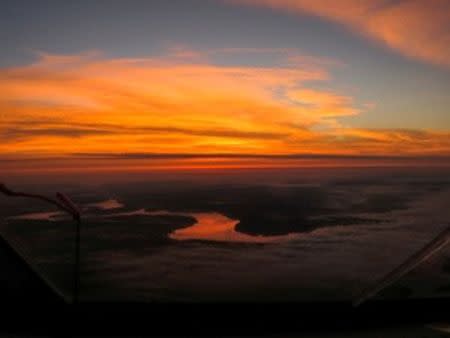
(304,234)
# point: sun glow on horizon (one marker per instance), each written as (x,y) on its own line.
(66,105)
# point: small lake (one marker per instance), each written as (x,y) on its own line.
(212,226)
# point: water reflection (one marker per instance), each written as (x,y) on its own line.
(213,226)
(40,216)
(209,226)
(107,205)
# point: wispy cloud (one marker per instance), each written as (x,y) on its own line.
(416,28)
(170,105)
(62,105)
(75,130)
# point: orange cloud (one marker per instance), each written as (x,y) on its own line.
(170,106)
(323,103)
(416,28)
(65,105)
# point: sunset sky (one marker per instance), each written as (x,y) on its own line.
(243,81)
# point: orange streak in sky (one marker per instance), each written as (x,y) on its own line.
(65,105)
(416,28)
